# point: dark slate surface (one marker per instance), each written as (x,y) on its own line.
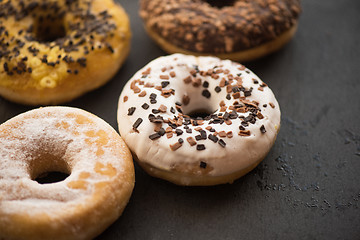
(308,185)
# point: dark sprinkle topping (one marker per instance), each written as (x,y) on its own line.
(131,111)
(203,134)
(154,136)
(152,96)
(217,89)
(200,147)
(203,164)
(228,97)
(181,140)
(206,84)
(178,132)
(213,138)
(137,123)
(222,143)
(247,93)
(111,49)
(172,110)
(161,131)
(164,84)
(262,129)
(155,111)
(145,106)
(236,89)
(206,93)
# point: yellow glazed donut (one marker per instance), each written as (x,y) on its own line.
(197,120)
(70,141)
(230,29)
(52,51)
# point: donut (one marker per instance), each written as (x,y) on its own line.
(98,169)
(52,51)
(197,120)
(230,29)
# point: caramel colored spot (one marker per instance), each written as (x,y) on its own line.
(76,133)
(80,184)
(108,170)
(101,185)
(79,119)
(99,139)
(90,133)
(62,124)
(99,152)
(84,175)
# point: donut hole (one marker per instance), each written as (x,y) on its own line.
(51,177)
(49,29)
(220,3)
(49,168)
(198,108)
(199,113)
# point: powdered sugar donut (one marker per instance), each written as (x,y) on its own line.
(71,141)
(197,120)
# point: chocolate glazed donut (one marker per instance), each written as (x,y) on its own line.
(240,30)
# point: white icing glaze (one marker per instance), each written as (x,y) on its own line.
(61,134)
(240,151)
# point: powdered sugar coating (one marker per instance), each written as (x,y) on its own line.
(67,140)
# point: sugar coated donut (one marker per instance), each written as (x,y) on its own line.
(197,120)
(230,29)
(52,51)
(69,141)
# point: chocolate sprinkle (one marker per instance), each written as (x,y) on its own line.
(203,164)
(164,84)
(154,136)
(206,93)
(222,143)
(145,106)
(213,138)
(131,111)
(161,132)
(262,129)
(172,110)
(200,147)
(137,123)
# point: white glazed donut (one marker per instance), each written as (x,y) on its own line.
(68,140)
(241,121)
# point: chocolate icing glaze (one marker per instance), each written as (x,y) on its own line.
(205,27)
